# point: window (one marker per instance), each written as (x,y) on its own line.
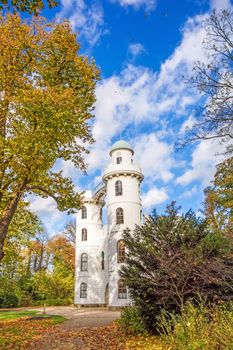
(83,290)
(84,234)
(101,213)
(118,188)
(119,216)
(84,262)
(102,260)
(84,212)
(119,160)
(120,251)
(122,291)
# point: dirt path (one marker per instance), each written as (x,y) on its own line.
(84,329)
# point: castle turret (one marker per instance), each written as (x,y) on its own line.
(91,262)
(122,178)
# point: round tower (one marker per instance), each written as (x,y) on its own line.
(90,264)
(122,178)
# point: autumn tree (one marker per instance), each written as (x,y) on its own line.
(173,258)
(46,102)
(214,81)
(15,267)
(32,7)
(70,232)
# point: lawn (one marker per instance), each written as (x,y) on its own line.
(22,330)
(18,329)
(12,315)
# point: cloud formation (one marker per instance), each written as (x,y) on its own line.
(87,19)
(153,197)
(149,5)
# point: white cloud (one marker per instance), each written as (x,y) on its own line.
(140,95)
(46,208)
(136,49)
(204,160)
(155,157)
(87,19)
(220,4)
(149,5)
(188,124)
(152,197)
(189,193)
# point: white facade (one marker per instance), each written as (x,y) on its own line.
(100,249)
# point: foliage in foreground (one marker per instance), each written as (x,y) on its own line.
(131,321)
(173,258)
(198,328)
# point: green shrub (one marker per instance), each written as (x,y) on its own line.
(131,321)
(198,328)
(8,300)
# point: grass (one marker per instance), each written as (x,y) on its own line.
(13,315)
(19,328)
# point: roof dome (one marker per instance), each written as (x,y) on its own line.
(121,144)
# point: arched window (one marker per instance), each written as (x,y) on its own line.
(118,188)
(102,260)
(84,234)
(84,262)
(119,216)
(122,291)
(83,290)
(84,212)
(120,251)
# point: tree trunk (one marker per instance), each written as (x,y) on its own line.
(5,220)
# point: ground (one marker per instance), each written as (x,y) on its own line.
(89,329)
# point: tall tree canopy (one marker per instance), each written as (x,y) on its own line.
(32,7)
(46,100)
(214,80)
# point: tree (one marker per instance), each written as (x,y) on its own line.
(14,270)
(223,185)
(32,7)
(173,258)
(46,103)
(214,80)
(70,232)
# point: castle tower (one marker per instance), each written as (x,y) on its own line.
(122,178)
(91,262)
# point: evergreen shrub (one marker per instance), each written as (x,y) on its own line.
(131,321)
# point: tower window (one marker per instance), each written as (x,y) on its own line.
(101,213)
(122,291)
(119,160)
(119,216)
(84,234)
(118,188)
(84,262)
(102,260)
(84,212)
(120,251)
(83,290)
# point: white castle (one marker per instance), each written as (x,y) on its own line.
(100,250)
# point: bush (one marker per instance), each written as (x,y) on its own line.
(198,328)
(131,321)
(8,300)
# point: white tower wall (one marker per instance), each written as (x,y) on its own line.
(95,277)
(102,284)
(130,176)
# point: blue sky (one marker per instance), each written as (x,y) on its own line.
(144,49)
